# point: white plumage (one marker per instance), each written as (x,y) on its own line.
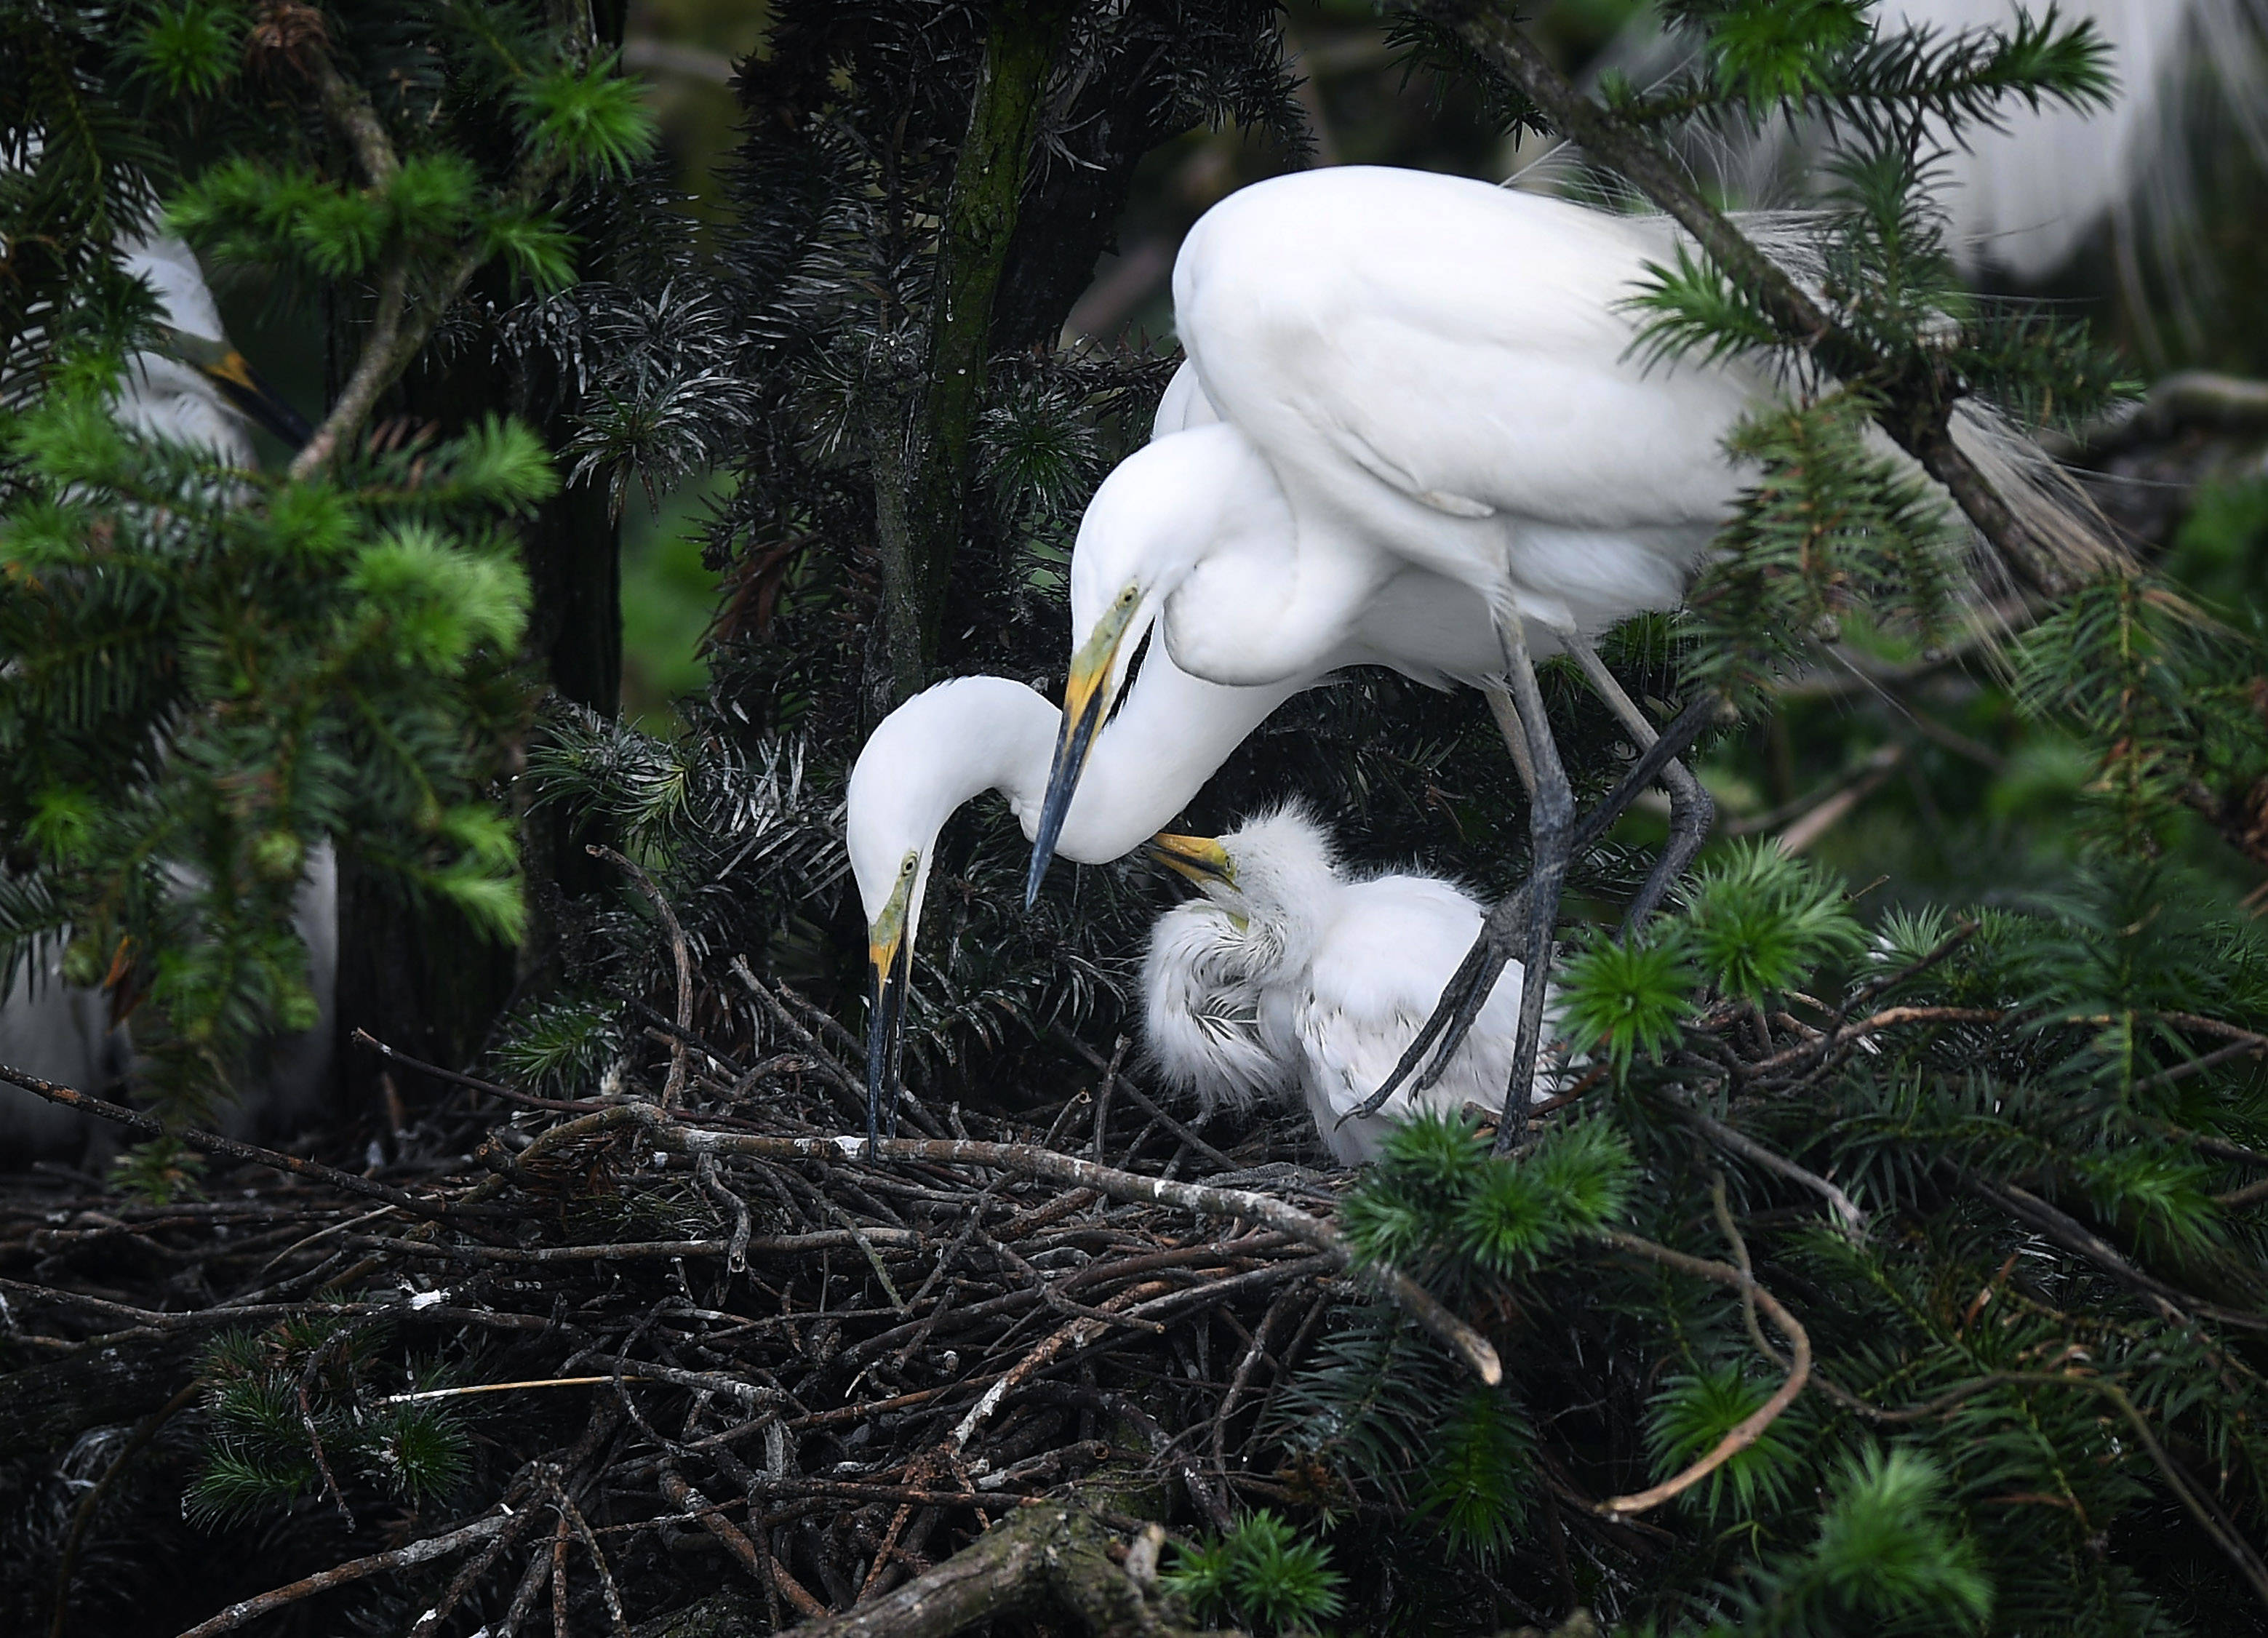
(960,738)
(1288,979)
(1421,429)
(201,394)
(166,397)
(2024,197)
(1394,369)
(1415,428)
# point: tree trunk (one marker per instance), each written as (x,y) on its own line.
(921,494)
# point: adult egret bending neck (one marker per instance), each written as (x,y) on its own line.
(1412,372)
(953,742)
(1288,978)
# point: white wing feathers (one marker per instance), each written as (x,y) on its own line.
(1461,321)
(1377,973)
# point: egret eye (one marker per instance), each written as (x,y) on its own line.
(907,868)
(1126,597)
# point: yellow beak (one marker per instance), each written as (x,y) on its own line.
(1199,858)
(242,386)
(1086,703)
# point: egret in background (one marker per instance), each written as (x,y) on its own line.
(1285,976)
(2024,197)
(1417,373)
(195,389)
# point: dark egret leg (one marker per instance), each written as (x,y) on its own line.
(1550,846)
(1498,943)
(1691,812)
(1514,731)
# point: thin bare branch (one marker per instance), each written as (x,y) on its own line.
(1750,1427)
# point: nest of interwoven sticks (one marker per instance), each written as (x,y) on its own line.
(688,1337)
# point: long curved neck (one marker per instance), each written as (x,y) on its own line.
(1170,734)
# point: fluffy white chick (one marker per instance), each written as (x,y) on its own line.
(1287,977)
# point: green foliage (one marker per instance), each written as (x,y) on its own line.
(1627,995)
(190,50)
(1260,1575)
(286,1403)
(1697,1409)
(587,119)
(2221,546)
(1476,1484)
(1829,526)
(2170,704)
(211,673)
(577,121)
(1756,921)
(1770,51)
(206,674)
(1436,1191)
(559,1048)
(1830,59)
(1887,1558)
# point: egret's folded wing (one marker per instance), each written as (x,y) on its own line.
(1420,331)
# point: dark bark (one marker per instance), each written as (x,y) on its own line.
(920,502)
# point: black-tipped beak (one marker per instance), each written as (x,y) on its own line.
(1072,743)
(885,1034)
(249,391)
(1086,703)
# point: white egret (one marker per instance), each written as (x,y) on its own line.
(196,388)
(961,738)
(1416,371)
(1287,976)
(969,735)
(198,391)
(2022,194)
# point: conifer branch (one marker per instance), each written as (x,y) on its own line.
(1752,1427)
(398,331)
(2173,1304)
(1852,1220)
(2218,1526)
(1913,397)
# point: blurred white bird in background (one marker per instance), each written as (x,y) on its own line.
(1287,979)
(2023,198)
(200,392)
(1417,373)
(197,389)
